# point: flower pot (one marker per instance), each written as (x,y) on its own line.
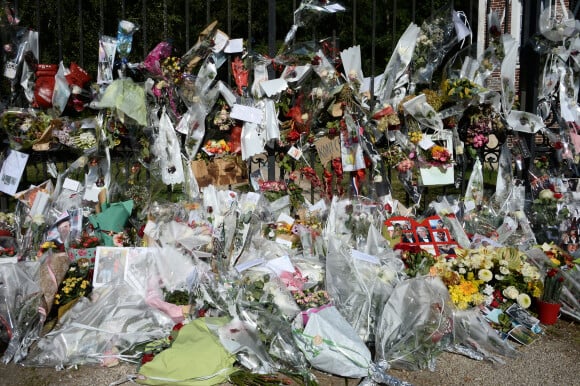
(548,312)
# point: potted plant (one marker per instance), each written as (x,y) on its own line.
(549,303)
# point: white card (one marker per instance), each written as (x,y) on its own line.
(426,143)
(12,171)
(71,184)
(92,193)
(247,114)
(295,153)
(234,46)
(283,217)
(221,40)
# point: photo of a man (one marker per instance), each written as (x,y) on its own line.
(423,235)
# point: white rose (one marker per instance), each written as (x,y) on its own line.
(511,292)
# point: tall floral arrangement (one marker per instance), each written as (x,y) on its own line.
(495,277)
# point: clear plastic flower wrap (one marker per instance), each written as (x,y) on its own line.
(437,36)
(100,330)
(416,324)
(359,284)
(471,331)
(21,300)
(332,345)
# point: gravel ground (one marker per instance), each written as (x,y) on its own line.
(554,359)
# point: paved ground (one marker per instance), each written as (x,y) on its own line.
(554,359)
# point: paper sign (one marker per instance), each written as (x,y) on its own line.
(435,176)
(71,184)
(328,149)
(12,171)
(234,46)
(247,114)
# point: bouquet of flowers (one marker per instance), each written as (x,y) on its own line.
(559,262)
(417,261)
(76,283)
(437,156)
(85,241)
(477,124)
(495,277)
(545,215)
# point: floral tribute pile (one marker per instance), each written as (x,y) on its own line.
(313,270)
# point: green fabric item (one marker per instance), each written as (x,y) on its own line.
(196,357)
(112,218)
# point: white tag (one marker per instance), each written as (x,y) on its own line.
(71,184)
(248,264)
(280,264)
(247,114)
(284,242)
(358,255)
(295,153)
(426,143)
(234,46)
(283,217)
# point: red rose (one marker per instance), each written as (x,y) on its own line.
(177,327)
(147,357)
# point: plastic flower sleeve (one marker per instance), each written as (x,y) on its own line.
(21,300)
(125,32)
(508,72)
(397,65)
(193,125)
(358,285)
(330,344)
(167,149)
(471,330)
(436,38)
(416,324)
(103,329)
(423,113)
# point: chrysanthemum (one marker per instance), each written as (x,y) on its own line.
(524,300)
(485,275)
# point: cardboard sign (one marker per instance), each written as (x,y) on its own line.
(328,149)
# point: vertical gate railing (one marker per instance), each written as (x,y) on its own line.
(528,79)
